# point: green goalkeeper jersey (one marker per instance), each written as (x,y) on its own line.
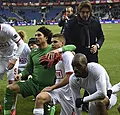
(41,76)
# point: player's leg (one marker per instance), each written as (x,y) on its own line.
(112,101)
(41,99)
(85,105)
(75,91)
(9,97)
(67,107)
(11,76)
(116,88)
(3,69)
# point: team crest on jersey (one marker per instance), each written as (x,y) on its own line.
(15,36)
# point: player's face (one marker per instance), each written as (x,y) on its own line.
(85,13)
(40,38)
(56,43)
(32,46)
(80,70)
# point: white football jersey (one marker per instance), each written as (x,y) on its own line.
(8,38)
(96,82)
(23,59)
(64,66)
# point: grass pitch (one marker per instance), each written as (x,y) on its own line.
(109,57)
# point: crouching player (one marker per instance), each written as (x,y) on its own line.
(60,92)
(94,79)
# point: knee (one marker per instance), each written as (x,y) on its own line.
(13,87)
(42,98)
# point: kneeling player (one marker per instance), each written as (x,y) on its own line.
(57,93)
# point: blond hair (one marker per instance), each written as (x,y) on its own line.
(22,34)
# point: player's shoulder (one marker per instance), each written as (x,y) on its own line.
(95,67)
(67,53)
(5,25)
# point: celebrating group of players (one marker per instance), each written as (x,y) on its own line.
(56,74)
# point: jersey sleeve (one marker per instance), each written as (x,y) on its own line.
(68,48)
(9,30)
(101,86)
(67,60)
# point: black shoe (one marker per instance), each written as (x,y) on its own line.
(85,108)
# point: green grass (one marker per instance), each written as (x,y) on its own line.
(109,57)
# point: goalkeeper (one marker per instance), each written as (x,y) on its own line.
(41,77)
(57,93)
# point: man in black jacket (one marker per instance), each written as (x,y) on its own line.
(85,32)
(67,15)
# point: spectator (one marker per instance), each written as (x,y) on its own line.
(67,15)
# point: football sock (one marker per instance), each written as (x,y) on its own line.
(15,102)
(38,111)
(8,101)
(52,110)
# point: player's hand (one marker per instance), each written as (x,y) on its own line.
(15,71)
(52,54)
(109,93)
(93,49)
(47,89)
(18,77)
(78,102)
(11,63)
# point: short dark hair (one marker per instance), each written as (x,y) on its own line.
(47,33)
(32,41)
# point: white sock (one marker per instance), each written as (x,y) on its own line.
(39,111)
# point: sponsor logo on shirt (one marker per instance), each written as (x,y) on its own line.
(15,36)
(22,60)
(59,74)
(4,45)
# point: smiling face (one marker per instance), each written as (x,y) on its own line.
(79,65)
(41,39)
